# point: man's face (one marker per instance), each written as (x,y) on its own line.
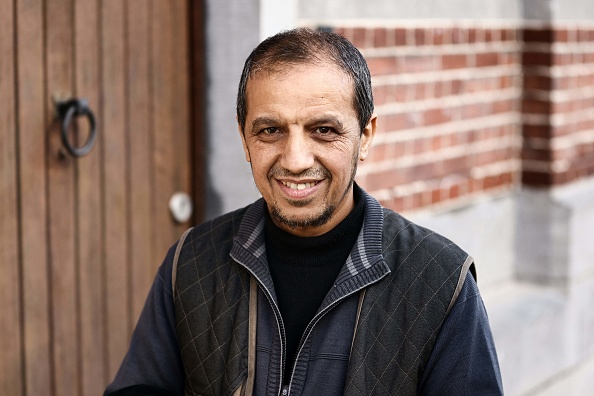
(303,141)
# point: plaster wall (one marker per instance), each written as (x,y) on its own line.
(537,10)
(232,30)
(534,254)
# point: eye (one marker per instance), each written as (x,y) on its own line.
(270,131)
(325,133)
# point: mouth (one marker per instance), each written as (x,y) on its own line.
(299,186)
(298,192)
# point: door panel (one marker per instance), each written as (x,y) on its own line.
(81,238)
(11,372)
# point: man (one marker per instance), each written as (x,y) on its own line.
(314,289)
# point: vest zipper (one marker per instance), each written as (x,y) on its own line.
(280,326)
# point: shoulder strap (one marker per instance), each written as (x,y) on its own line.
(178,249)
(467,266)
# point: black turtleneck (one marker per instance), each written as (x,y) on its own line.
(304,269)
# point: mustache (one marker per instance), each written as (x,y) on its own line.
(312,173)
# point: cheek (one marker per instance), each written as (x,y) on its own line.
(341,159)
(261,161)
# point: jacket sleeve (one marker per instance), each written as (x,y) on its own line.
(153,362)
(464,360)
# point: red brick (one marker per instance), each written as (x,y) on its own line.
(397,150)
(508,35)
(532,58)
(457,86)
(437,143)
(398,204)
(378,153)
(395,122)
(494,156)
(454,165)
(400,37)
(475,110)
(359,37)
(537,179)
(418,146)
(439,89)
(420,37)
(508,58)
(424,171)
(475,85)
(458,36)
(561,35)
(583,35)
(417,201)
(508,178)
(341,31)
(502,106)
(454,61)
(435,116)
(475,185)
(398,93)
(584,81)
(380,37)
(436,196)
(382,65)
(415,92)
(439,36)
(492,181)
(562,59)
(455,191)
(560,83)
(535,35)
(536,131)
(507,82)
(563,107)
(538,82)
(380,94)
(472,35)
(385,179)
(534,154)
(535,106)
(418,63)
(487,59)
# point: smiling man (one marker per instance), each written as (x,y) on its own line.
(315,289)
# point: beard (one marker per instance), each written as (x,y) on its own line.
(318,218)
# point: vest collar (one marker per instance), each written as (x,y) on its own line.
(364,266)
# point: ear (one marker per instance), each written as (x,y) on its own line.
(367,137)
(245,148)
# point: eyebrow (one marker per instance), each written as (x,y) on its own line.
(326,119)
(319,120)
(265,120)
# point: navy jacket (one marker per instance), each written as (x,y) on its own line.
(323,361)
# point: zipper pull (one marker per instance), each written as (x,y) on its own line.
(285,391)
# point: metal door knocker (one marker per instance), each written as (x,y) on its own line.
(80,108)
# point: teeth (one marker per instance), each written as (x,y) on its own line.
(301,186)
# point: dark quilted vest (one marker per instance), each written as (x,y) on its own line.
(211,309)
(400,317)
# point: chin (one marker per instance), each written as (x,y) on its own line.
(306,221)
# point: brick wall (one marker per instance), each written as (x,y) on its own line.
(558,104)
(469,110)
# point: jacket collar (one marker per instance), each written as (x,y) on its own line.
(364,266)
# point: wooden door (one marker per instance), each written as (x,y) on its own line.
(81,238)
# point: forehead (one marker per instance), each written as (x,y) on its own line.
(302,84)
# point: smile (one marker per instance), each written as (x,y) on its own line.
(298,186)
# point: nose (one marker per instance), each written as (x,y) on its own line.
(297,153)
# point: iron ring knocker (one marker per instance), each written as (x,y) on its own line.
(67,110)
